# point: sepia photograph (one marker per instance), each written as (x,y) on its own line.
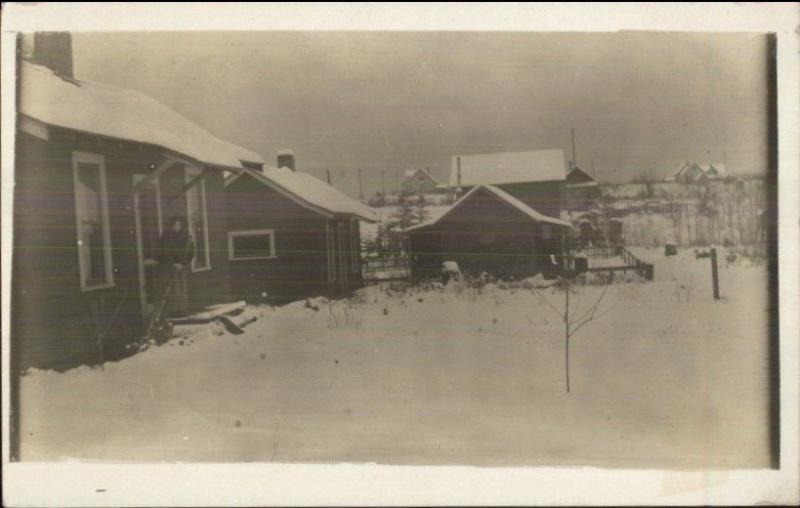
(483,248)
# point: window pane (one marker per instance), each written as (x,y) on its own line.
(90,216)
(195,203)
(252,246)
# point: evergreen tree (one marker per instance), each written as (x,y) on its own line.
(406,215)
(421,209)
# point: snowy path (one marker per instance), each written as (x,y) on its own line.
(444,377)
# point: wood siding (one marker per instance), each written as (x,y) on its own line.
(484,234)
(301,265)
(51,316)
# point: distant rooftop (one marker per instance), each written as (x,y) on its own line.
(509,167)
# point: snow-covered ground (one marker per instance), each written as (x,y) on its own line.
(666,378)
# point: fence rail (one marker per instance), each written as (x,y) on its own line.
(632,263)
(386,268)
(603,252)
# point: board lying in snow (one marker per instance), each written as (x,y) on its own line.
(220,313)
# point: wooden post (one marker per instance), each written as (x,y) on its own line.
(714,273)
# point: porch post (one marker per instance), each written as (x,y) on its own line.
(140,254)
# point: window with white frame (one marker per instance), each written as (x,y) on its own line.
(253,244)
(91,215)
(197,217)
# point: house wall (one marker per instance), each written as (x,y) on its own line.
(545,197)
(52,318)
(483,234)
(301,265)
(420,182)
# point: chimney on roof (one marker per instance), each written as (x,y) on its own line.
(286,159)
(428,170)
(458,173)
(49,49)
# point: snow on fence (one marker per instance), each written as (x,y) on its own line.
(386,268)
(629,261)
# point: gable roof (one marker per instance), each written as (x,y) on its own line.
(503,196)
(308,191)
(410,174)
(699,170)
(717,169)
(579,176)
(509,167)
(114,112)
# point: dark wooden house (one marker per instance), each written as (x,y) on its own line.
(291,235)
(98,170)
(488,230)
(581,190)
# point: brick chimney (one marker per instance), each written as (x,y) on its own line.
(49,49)
(286,159)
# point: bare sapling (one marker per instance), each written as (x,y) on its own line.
(574,315)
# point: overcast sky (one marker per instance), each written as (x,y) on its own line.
(386,102)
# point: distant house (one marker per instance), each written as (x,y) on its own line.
(689,172)
(488,230)
(581,189)
(577,176)
(715,171)
(98,172)
(419,181)
(692,172)
(537,178)
(291,234)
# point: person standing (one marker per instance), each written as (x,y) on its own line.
(175,253)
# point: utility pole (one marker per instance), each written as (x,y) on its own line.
(383,182)
(397,181)
(360,186)
(328,172)
(725,160)
(574,162)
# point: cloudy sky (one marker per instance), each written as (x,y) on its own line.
(390,101)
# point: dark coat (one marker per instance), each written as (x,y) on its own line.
(175,247)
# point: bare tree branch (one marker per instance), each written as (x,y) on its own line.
(548,302)
(591,310)
(594,308)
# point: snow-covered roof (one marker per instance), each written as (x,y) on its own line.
(683,167)
(509,167)
(503,196)
(114,112)
(309,191)
(718,167)
(582,184)
(412,173)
